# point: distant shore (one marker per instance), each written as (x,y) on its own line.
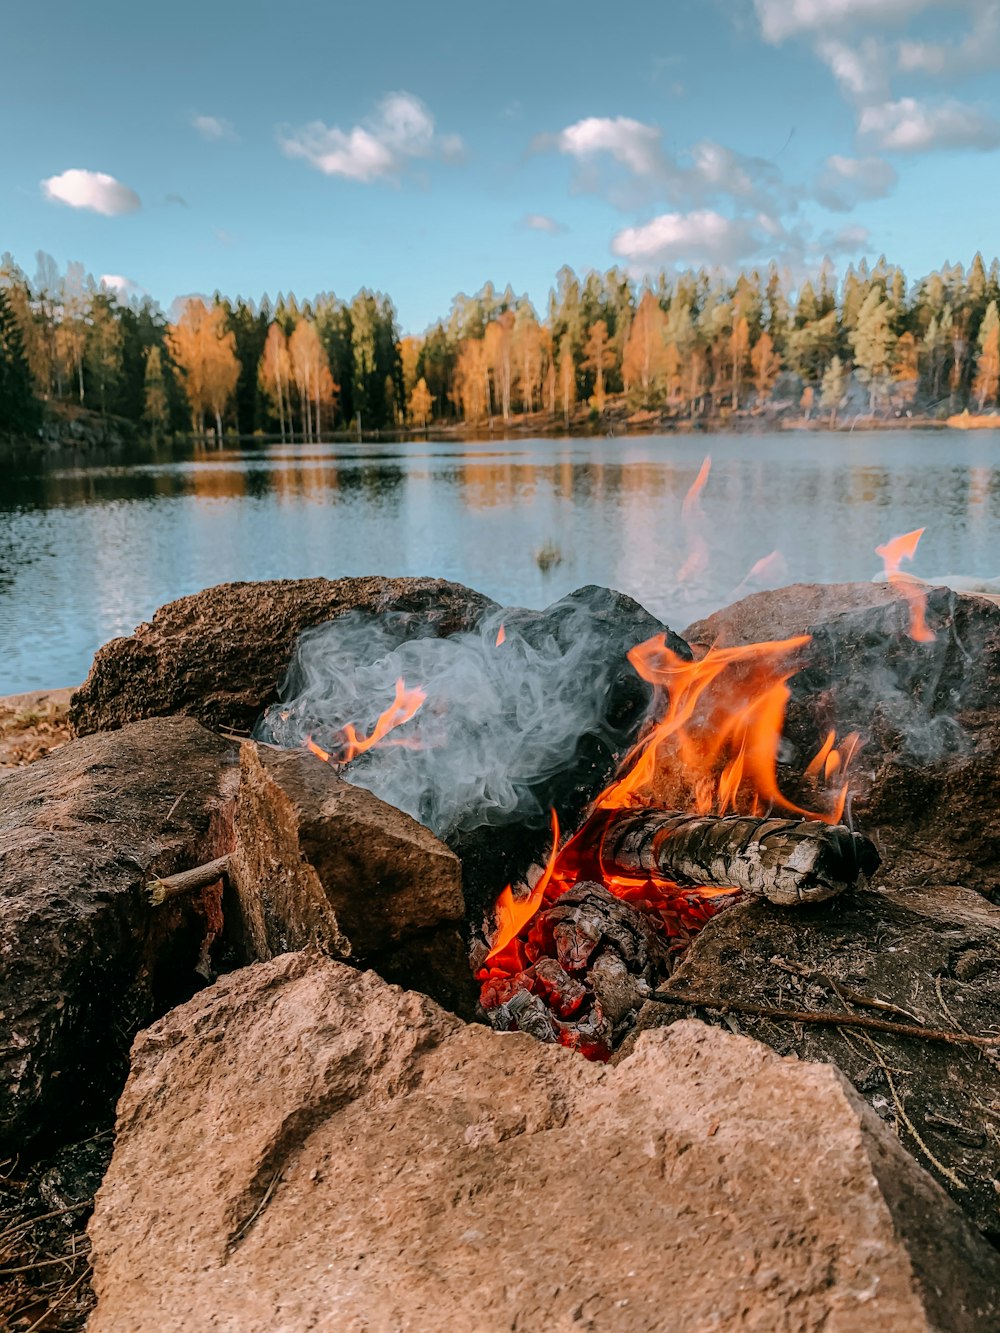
(98,436)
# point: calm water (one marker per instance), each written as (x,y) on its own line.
(88,551)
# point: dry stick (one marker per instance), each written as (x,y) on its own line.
(43,1263)
(187,881)
(901,1115)
(56,1304)
(842,992)
(831,1019)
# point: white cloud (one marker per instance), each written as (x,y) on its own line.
(976,51)
(120,285)
(213,128)
(846,181)
(859,68)
(780,19)
(706,172)
(93,190)
(401,130)
(850,240)
(701,237)
(541,222)
(909,126)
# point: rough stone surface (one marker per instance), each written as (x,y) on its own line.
(317,860)
(934,953)
(926,783)
(303,1147)
(219,655)
(84,960)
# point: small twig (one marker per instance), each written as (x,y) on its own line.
(28,1222)
(56,1304)
(944,1007)
(845,993)
(901,1114)
(170,812)
(258,1210)
(41,1263)
(831,1019)
(186,881)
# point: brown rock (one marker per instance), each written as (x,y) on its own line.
(305,1147)
(84,961)
(318,860)
(926,784)
(934,953)
(219,655)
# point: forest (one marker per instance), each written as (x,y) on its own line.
(693,346)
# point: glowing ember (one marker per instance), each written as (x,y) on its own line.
(893,553)
(405,704)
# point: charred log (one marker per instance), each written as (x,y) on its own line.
(783,860)
(593,961)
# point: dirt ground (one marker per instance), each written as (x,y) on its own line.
(31,725)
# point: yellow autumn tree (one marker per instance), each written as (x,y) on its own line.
(499,357)
(739,351)
(987,380)
(311,375)
(274,375)
(529,355)
(471,393)
(766,366)
(599,356)
(567,376)
(421,404)
(644,362)
(409,356)
(204,352)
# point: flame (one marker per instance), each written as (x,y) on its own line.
(893,553)
(513,914)
(714,749)
(405,704)
(692,519)
(501,636)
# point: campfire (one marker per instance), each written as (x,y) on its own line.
(693,819)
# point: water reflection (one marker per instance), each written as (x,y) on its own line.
(87,550)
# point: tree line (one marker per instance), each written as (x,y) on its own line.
(689,345)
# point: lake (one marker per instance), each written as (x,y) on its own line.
(90,548)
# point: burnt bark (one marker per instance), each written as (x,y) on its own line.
(783,860)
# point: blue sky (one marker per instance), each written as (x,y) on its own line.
(423,149)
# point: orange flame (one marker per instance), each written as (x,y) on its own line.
(715,748)
(720,732)
(501,636)
(693,520)
(893,553)
(405,704)
(513,914)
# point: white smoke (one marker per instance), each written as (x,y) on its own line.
(498,722)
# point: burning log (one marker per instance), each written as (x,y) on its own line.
(783,860)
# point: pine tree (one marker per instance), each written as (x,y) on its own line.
(19,410)
(873,341)
(156,411)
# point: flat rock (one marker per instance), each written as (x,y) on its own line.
(304,1147)
(219,655)
(934,954)
(926,782)
(84,961)
(317,860)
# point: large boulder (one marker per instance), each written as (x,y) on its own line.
(319,861)
(84,960)
(219,655)
(926,782)
(928,957)
(305,1147)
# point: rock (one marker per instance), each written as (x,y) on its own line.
(305,1147)
(219,655)
(319,860)
(933,952)
(926,783)
(84,961)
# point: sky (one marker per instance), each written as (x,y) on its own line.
(422,150)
